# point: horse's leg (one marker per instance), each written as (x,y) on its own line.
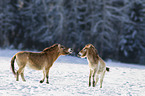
(47,76)
(97,78)
(94,77)
(22,76)
(17,76)
(41,81)
(90,75)
(101,78)
(18,72)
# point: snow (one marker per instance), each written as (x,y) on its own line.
(69,77)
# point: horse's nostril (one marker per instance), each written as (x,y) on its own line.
(71,50)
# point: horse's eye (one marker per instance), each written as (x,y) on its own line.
(84,49)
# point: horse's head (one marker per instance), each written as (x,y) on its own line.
(64,50)
(84,52)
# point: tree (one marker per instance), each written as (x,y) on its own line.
(131,45)
(115,27)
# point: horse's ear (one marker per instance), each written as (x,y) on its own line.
(59,45)
(90,45)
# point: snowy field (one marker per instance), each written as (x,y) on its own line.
(69,77)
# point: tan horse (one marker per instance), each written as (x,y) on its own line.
(96,64)
(38,61)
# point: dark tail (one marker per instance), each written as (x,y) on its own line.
(107,69)
(12,64)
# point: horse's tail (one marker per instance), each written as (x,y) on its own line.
(12,64)
(107,69)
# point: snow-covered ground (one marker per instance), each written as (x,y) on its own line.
(69,77)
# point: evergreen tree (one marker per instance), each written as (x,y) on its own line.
(131,39)
(115,27)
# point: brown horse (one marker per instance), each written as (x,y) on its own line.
(96,64)
(38,61)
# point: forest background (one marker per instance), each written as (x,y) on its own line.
(115,27)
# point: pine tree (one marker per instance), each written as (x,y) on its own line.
(131,44)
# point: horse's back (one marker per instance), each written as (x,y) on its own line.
(102,63)
(37,61)
(31,59)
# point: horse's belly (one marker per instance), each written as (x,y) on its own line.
(92,66)
(97,67)
(34,66)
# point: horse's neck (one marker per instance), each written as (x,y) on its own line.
(92,59)
(54,54)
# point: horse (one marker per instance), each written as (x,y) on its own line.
(38,60)
(96,64)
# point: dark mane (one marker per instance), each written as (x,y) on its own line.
(50,48)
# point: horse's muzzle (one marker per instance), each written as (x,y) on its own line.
(70,50)
(79,55)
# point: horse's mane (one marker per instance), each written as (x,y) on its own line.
(50,48)
(94,50)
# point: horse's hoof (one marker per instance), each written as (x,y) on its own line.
(41,81)
(93,84)
(47,82)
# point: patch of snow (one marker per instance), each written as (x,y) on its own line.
(69,77)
